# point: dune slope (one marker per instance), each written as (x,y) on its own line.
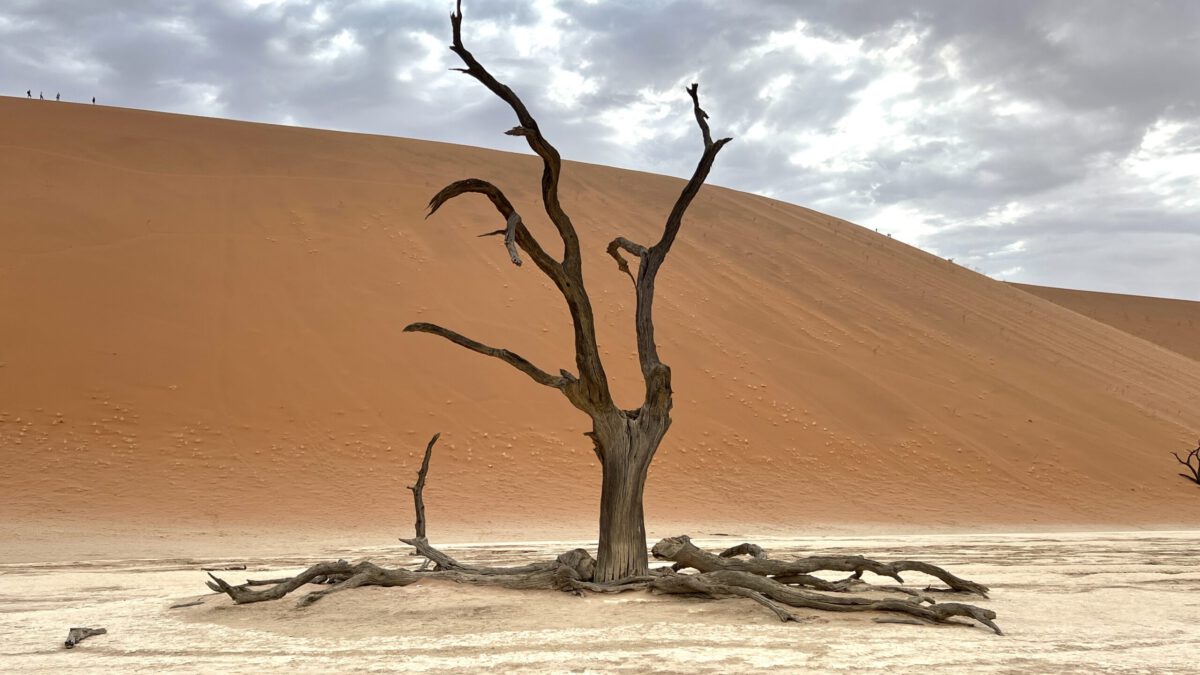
(1172,324)
(200,325)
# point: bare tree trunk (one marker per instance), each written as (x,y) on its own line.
(625,446)
(622,545)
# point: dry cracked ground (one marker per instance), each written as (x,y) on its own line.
(1086,603)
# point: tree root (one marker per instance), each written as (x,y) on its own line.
(572,572)
(778,585)
(685,554)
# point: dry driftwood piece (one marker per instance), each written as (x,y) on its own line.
(77,635)
(229,568)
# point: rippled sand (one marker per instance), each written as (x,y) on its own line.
(1095,602)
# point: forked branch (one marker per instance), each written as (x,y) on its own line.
(590,392)
(515,233)
(528,128)
(515,360)
(1193,456)
(657,375)
(614,250)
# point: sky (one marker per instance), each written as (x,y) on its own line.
(1037,141)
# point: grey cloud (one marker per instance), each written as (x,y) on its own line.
(1086,82)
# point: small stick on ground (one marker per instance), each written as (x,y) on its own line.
(181,605)
(77,635)
(228,568)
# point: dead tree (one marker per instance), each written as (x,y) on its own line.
(625,441)
(1193,456)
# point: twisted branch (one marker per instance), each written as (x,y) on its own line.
(614,250)
(528,128)
(591,392)
(654,372)
(1193,455)
(515,233)
(515,360)
(686,554)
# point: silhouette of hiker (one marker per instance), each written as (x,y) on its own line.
(29,93)
(93,100)
(58,97)
(40,96)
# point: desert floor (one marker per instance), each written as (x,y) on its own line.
(1114,602)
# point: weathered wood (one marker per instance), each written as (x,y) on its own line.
(721,575)
(513,223)
(1194,455)
(682,550)
(795,597)
(515,360)
(228,568)
(419,487)
(562,574)
(752,550)
(181,605)
(77,635)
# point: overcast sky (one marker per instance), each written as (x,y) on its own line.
(1046,142)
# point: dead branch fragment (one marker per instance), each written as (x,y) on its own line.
(181,605)
(418,500)
(614,250)
(1194,455)
(752,550)
(227,568)
(515,360)
(684,552)
(77,635)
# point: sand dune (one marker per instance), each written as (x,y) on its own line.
(200,325)
(1173,324)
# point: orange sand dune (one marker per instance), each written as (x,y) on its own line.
(1173,324)
(200,325)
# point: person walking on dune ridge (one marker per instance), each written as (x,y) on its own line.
(58,97)
(28,93)
(41,97)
